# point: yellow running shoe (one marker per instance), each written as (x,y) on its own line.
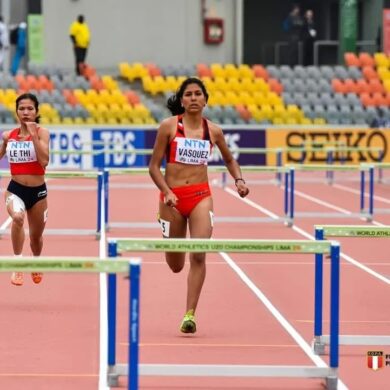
(188,324)
(17,278)
(37,277)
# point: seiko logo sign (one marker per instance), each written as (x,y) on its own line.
(352,139)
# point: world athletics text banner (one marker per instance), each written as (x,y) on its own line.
(356,138)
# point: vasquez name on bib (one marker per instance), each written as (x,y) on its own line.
(192,151)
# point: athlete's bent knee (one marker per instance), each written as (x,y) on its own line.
(18,219)
(174,263)
(198,258)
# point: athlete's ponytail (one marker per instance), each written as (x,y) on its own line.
(174,102)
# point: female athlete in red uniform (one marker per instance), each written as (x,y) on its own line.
(27,149)
(186,140)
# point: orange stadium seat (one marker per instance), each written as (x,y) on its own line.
(243,112)
(366,59)
(153,69)
(275,86)
(260,71)
(96,83)
(366,99)
(376,86)
(338,86)
(379,99)
(350,86)
(369,72)
(363,86)
(351,59)
(203,70)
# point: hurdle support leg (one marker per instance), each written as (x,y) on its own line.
(100,188)
(289,192)
(318,345)
(371,194)
(106,181)
(112,375)
(331,381)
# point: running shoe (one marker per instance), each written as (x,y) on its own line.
(37,277)
(17,278)
(188,324)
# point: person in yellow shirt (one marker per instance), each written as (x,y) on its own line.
(80,37)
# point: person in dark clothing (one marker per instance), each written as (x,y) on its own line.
(309,36)
(293,26)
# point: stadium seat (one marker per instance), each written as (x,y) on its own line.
(369,72)
(366,59)
(351,59)
(244,71)
(217,70)
(231,71)
(260,72)
(203,70)
(381,59)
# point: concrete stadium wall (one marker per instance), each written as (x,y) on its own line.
(164,32)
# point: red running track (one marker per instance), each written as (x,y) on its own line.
(50,333)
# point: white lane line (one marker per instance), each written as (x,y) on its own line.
(6,223)
(278,315)
(348,258)
(357,192)
(322,203)
(103,328)
(310,237)
(275,312)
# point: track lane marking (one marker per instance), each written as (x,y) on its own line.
(213,345)
(311,237)
(279,317)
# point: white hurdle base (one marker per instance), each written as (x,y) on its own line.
(356,340)
(209,370)
(154,225)
(61,232)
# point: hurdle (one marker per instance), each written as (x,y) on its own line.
(117,246)
(322,232)
(332,152)
(366,213)
(68,175)
(288,194)
(131,266)
(381,166)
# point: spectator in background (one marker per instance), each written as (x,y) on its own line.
(80,37)
(309,36)
(19,39)
(4,42)
(293,26)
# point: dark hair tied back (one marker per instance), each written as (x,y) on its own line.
(174,102)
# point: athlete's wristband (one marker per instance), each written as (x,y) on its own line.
(239,179)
